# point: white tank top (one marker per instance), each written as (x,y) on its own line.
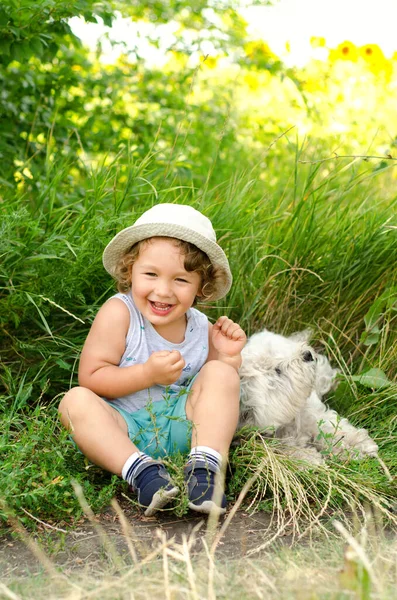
(142,339)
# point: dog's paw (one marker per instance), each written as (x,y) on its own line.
(368,448)
(308,455)
(357,444)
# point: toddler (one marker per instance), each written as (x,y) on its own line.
(155,376)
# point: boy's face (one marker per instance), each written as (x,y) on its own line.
(161,287)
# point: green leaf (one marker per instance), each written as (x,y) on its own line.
(17,52)
(377,308)
(107,19)
(36,46)
(5,46)
(90,18)
(370,337)
(374,379)
(42,317)
(4,18)
(64,365)
(43,257)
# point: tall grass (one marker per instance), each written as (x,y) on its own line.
(317,251)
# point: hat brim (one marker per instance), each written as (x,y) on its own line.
(126,238)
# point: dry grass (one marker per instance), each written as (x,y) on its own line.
(300,495)
(357,560)
(361,566)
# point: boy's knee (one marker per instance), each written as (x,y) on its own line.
(222,372)
(72,403)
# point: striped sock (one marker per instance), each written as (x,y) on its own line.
(203,455)
(131,465)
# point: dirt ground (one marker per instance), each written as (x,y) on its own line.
(84,543)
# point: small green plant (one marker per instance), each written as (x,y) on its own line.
(328,438)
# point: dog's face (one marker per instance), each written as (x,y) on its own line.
(277,374)
(277,355)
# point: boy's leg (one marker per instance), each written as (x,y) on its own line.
(101,433)
(99,430)
(213,407)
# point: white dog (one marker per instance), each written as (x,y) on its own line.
(282,383)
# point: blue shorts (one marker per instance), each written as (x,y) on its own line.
(161,428)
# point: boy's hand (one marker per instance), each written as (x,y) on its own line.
(227,337)
(164,367)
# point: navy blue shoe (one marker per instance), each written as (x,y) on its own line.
(153,486)
(204,494)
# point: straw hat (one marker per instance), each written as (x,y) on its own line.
(177,221)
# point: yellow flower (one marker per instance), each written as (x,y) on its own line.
(371,53)
(260,56)
(252,80)
(317,42)
(210,61)
(375,59)
(259,49)
(345,51)
(176,59)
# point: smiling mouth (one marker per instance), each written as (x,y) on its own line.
(160,307)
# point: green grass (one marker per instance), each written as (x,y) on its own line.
(316,250)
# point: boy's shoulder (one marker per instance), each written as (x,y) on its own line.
(126,300)
(113,305)
(113,314)
(198,316)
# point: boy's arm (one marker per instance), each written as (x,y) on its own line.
(102,351)
(226,340)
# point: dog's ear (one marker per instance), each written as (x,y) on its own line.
(326,376)
(301,336)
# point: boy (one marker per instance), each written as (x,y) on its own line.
(155,376)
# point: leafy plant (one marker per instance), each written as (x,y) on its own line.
(383,306)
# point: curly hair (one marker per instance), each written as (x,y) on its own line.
(195,260)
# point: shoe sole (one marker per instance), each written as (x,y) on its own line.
(207,507)
(160,499)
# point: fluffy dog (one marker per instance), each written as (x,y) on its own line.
(283,381)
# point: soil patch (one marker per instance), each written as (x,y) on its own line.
(93,545)
(86,543)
